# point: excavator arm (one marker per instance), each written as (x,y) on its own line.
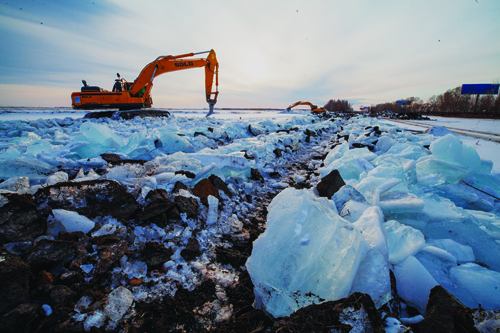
(164,64)
(301,103)
(314,108)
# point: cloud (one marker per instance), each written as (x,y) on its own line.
(270,53)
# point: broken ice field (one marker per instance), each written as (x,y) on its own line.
(423,206)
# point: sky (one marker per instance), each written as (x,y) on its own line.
(271,53)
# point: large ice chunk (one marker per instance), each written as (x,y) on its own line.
(406,150)
(482,283)
(466,232)
(384,143)
(350,203)
(372,187)
(65,220)
(404,241)
(336,153)
(57,177)
(432,171)
(450,149)
(361,152)
(401,203)
(388,171)
(414,282)
(372,277)
(349,167)
(307,254)
(15,184)
(212,215)
(345,194)
(24,166)
(438,263)
(440,209)
(172,142)
(95,139)
(463,253)
(371,226)
(230,166)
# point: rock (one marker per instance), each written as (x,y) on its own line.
(160,209)
(156,254)
(162,213)
(14,281)
(104,239)
(44,277)
(203,189)
(308,132)
(248,157)
(446,314)
(192,250)
(199,133)
(108,255)
(156,211)
(219,184)
(71,277)
(278,152)
(256,175)
(231,256)
(356,312)
(48,254)
(91,198)
(186,173)
(117,160)
(157,196)
(179,186)
(245,317)
(19,248)
(275,175)
(362,145)
(135,282)
(189,206)
(75,236)
(118,303)
(245,320)
(61,296)
(20,220)
(24,318)
(330,184)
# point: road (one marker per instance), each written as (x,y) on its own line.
(460,131)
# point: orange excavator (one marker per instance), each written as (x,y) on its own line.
(137,94)
(314,108)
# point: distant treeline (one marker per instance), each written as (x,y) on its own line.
(450,104)
(338,106)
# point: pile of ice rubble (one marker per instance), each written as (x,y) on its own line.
(406,207)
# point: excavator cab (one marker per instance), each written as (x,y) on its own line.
(118,86)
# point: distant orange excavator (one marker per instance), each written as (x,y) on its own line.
(314,108)
(137,94)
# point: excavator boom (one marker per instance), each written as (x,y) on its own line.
(314,108)
(137,95)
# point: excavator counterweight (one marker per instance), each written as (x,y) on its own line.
(137,95)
